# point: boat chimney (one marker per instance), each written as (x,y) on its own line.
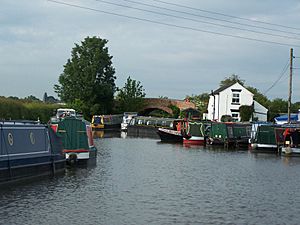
(298,115)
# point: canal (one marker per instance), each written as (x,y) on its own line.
(142,181)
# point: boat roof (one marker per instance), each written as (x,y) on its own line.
(293,117)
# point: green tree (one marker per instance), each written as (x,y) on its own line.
(88,77)
(231,80)
(201,101)
(259,97)
(32,98)
(175,110)
(246,112)
(131,96)
(277,106)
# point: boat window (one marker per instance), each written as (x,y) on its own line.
(10,139)
(132,122)
(230,132)
(97,120)
(32,138)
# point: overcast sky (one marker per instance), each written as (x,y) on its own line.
(172,56)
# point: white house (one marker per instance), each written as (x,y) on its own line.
(227,101)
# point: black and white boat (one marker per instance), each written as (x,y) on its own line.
(168,135)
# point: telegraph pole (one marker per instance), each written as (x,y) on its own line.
(290,86)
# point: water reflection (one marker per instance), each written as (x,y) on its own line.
(107,134)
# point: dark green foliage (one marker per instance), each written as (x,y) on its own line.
(226,118)
(175,110)
(159,113)
(89,77)
(246,112)
(131,97)
(277,106)
(12,109)
(231,80)
(259,97)
(32,98)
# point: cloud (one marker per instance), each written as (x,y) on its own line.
(36,39)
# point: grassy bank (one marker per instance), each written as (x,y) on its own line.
(12,109)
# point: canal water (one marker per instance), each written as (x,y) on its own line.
(142,181)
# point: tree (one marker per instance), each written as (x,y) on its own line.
(259,97)
(277,106)
(231,80)
(175,111)
(131,96)
(88,77)
(32,98)
(226,118)
(201,101)
(246,112)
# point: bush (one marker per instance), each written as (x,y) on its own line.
(12,109)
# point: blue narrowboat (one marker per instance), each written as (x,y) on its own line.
(28,149)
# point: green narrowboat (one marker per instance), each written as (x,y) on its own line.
(264,138)
(229,134)
(77,139)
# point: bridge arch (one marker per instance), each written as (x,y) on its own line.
(151,104)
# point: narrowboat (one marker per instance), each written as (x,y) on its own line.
(288,138)
(173,133)
(229,134)
(263,138)
(77,138)
(127,116)
(28,149)
(194,132)
(147,127)
(106,122)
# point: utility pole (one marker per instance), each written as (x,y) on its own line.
(290,86)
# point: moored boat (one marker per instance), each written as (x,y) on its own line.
(147,126)
(263,138)
(290,141)
(172,133)
(77,138)
(127,116)
(28,149)
(193,132)
(230,134)
(106,122)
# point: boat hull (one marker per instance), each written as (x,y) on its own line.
(28,150)
(290,151)
(194,140)
(167,135)
(263,148)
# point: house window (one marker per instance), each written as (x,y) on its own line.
(235,98)
(235,116)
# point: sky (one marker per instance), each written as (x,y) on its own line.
(174,48)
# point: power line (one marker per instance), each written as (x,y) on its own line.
(172,25)
(212,18)
(194,20)
(226,15)
(284,70)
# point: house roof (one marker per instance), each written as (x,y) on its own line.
(222,88)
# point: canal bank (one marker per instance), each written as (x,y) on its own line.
(143,181)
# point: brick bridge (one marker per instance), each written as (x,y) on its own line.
(162,104)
